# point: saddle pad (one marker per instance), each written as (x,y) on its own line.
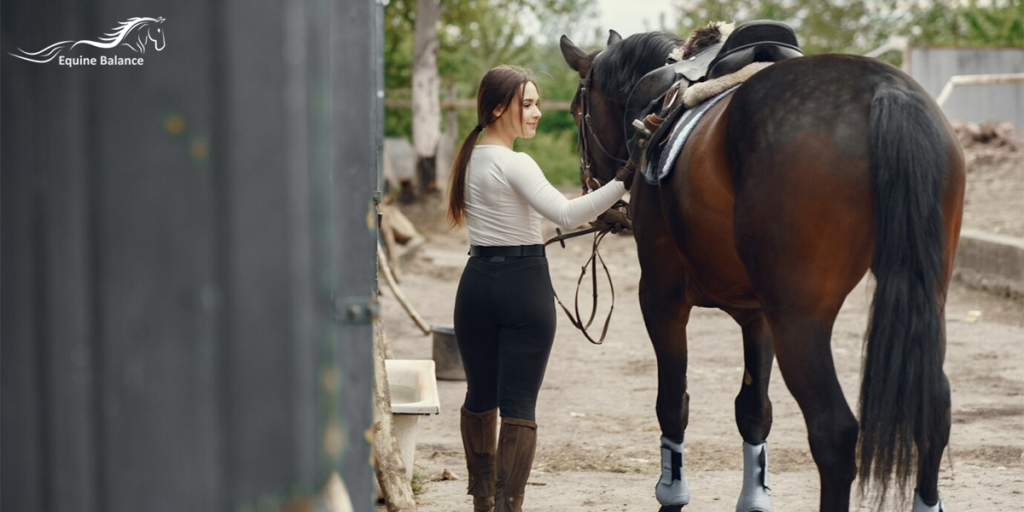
(658,170)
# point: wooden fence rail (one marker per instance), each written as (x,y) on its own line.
(553,105)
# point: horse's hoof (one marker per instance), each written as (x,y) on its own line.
(754,504)
(677,495)
(671,508)
(919,505)
(757,509)
(754,496)
(755,500)
(672,489)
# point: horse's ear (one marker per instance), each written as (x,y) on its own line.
(575,57)
(613,37)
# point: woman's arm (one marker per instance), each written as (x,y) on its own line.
(529,181)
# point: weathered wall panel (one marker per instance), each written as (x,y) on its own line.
(174,240)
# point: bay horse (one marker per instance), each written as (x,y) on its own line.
(814,171)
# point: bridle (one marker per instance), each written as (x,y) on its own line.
(585,133)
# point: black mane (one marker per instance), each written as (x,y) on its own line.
(622,64)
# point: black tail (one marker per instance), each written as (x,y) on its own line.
(903,393)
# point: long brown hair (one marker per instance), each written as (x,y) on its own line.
(498,88)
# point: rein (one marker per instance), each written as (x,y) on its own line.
(595,256)
(585,132)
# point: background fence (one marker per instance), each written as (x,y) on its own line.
(933,67)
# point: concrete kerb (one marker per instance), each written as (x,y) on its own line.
(994,263)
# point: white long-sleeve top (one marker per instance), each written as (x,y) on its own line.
(507,193)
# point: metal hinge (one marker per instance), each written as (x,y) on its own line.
(356,310)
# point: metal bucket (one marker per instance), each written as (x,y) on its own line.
(447,361)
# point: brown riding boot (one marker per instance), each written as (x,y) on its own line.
(516,445)
(479,440)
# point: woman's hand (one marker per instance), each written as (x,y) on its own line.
(616,219)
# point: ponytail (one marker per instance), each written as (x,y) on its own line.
(457,184)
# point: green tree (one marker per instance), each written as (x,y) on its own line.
(474,36)
(999,23)
(822,26)
(857,26)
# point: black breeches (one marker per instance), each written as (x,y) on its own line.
(505,326)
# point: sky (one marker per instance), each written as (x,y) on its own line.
(628,17)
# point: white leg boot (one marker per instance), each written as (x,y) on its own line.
(754,496)
(919,505)
(672,489)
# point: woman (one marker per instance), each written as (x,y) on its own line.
(504,308)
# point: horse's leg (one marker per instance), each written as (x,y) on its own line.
(929,457)
(803,229)
(666,315)
(929,454)
(803,273)
(666,310)
(802,347)
(802,279)
(754,409)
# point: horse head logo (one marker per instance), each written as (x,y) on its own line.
(135,33)
(154,32)
(159,45)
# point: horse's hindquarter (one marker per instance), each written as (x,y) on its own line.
(697,199)
(799,153)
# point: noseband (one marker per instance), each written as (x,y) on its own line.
(585,132)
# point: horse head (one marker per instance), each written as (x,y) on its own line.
(598,114)
(159,42)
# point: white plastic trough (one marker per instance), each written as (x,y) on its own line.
(413,387)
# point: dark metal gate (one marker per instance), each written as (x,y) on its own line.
(188,256)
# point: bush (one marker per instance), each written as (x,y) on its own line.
(555,153)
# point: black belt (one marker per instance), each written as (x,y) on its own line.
(514,250)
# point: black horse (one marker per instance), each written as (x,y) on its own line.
(812,172)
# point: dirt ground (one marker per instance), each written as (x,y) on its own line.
(598,445)
(994,201)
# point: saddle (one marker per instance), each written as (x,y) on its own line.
(656,101)
(757,41)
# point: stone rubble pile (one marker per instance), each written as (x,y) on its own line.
(989,135)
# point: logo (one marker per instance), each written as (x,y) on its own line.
(136,33)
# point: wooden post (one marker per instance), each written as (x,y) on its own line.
(385,342)
(450,137)
(383,267)
(394,482)
(426,102)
